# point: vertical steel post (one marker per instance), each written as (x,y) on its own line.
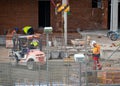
(47,48)
(86,57)
(80,76)
(64,15)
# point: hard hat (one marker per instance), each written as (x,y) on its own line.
(93,42)
(16,29)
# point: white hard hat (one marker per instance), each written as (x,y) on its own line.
(93,42)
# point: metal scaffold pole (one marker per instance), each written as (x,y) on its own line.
(65,23)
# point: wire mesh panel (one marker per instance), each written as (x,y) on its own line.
(107,76)
(75,74)
(5,74)
(59,73)
(2,39)
(53,73)
(22,76)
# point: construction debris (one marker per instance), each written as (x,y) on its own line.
(99,36)
(69,59)
(111,77)
(78,42)
(81,42)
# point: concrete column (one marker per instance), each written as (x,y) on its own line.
(114,15)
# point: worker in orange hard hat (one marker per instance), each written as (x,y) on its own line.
(96,55)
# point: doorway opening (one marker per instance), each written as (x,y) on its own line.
(44,13)
(109,13)
(119,16)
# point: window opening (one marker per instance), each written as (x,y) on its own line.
(96,3)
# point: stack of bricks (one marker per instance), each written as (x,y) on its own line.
(111,77)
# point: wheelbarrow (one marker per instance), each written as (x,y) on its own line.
(113,35)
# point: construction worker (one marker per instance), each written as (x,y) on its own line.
(96,55)
(28,30)
(14,37)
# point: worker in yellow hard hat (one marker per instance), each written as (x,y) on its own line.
(28,30)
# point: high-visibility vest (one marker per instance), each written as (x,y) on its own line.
(26,28)
(34,43)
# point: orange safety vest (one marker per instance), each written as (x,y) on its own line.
(96,49)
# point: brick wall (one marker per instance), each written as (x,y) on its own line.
(18,13)
(83,16)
